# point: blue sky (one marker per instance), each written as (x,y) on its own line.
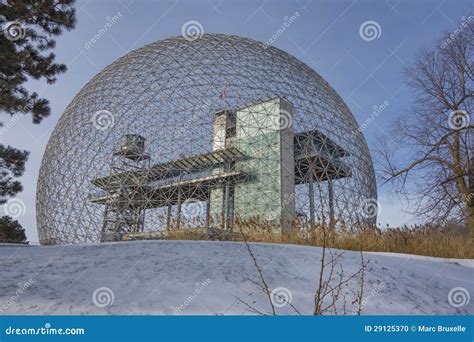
(325,35)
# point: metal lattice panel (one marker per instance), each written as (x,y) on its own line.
(223,126)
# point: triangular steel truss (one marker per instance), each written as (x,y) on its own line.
(183,134)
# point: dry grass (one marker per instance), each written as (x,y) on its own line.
(187,234)
(428,240)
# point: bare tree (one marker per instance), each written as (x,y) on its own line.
(332,280)
(262,284)
(437,137)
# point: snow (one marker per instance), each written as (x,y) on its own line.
(213,278)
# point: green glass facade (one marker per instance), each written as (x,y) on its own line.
(263,132)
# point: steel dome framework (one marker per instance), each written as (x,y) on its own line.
(187,133)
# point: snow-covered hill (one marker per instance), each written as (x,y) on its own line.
(204,277)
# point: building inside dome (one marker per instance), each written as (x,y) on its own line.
(197,134)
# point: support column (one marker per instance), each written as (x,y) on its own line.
(178,214)
(331,203)
(104,224)
(225,208)
(208,212)
(168,217)
(138,215)
(311,197)
(142,220)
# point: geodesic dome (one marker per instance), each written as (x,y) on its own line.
(188,133)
